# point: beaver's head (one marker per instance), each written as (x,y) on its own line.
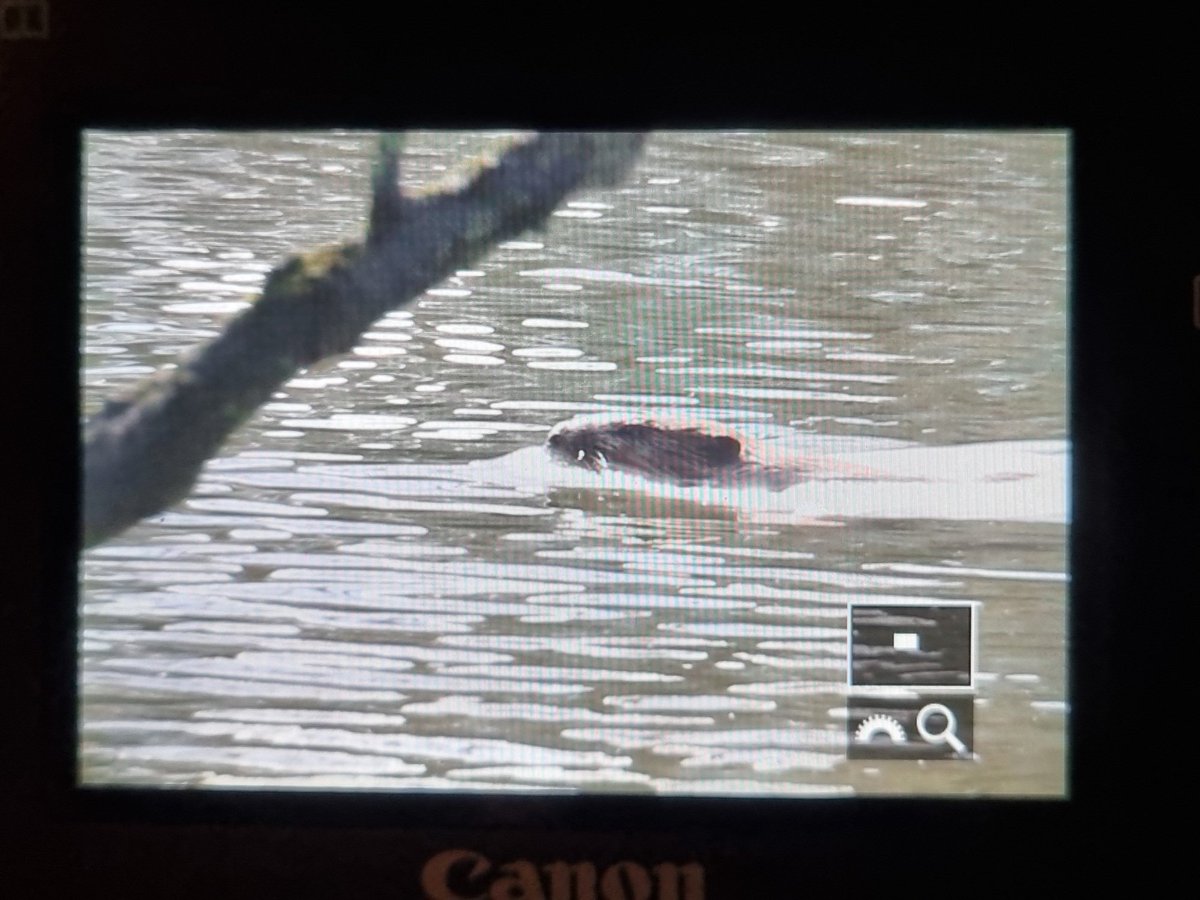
(687,452)
(581,446)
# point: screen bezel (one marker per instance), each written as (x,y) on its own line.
(743,832)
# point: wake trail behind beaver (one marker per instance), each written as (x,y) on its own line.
(1016,481)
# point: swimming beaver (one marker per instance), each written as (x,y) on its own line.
(687,452)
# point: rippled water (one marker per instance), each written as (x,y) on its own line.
(384,581)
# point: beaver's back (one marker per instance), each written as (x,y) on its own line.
(690,453)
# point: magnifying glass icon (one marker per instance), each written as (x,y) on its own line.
(949,732)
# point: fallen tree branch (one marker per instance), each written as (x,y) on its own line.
(143,452)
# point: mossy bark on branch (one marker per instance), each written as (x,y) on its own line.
(143,452)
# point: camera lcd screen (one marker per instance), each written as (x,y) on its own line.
(745,473)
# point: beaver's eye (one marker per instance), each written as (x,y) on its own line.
(580,455)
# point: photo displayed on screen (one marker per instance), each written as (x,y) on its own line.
(709,463)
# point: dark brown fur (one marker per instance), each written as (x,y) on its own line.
(688,453)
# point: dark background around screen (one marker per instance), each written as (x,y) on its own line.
(1135,253)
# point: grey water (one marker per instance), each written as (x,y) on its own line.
(383,581)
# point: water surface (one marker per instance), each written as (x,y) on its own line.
(383,581)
